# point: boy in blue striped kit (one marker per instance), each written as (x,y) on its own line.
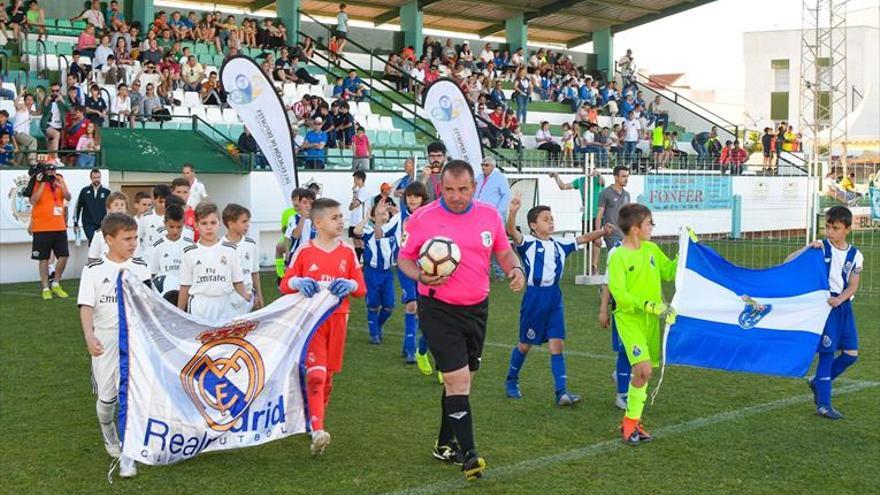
(380,251)
(621,374)
(414,197)
(844,263)
(541,314)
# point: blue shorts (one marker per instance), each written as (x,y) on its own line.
(408,288)
(840,330)
(541,316)
(380,287)
(616,343)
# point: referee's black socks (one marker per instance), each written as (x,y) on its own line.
(446,434)
(458,415)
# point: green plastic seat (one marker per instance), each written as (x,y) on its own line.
(409,138)
(383,139)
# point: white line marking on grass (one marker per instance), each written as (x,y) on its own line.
(528,465)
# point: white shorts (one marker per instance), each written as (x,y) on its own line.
(105,368)
(219,309)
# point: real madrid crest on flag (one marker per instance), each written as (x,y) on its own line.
(224,375)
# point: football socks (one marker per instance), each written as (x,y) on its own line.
(517,358)
(822,381)
(635,401)
(459,416)
(841,363)
(557,367)
(623,372)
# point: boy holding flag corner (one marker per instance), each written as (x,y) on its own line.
(636,270)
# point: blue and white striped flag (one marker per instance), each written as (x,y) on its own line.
(739,319)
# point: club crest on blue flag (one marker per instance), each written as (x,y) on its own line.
(784,309)
(753,312)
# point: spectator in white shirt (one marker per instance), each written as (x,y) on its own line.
(92,15)
(102,52)
(121,109)
(197,191)
(548,143)
(632,132)
(486,56)
(192,74)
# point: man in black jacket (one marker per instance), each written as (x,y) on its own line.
(91,205)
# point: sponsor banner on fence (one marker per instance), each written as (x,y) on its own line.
(187,387)
(687,192)
(253,97)
(454,120)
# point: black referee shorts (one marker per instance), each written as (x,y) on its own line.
(455,334)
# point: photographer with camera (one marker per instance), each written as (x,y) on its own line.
(49,225)
(52,122)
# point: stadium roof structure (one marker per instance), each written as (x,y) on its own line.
(567,22)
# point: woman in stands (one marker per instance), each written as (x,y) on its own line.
(86,43)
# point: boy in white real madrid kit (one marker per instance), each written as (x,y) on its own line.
(99,315)
(167,255)
(151,225)
(844,263)
(541,315)
(211,282)
(117,202)
(237,220)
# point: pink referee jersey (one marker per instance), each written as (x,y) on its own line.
(479,232)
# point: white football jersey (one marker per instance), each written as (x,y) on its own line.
(838,268)
(246,249)
(98,247)
(97,288)
(167,260)
(151,228)
(210,271)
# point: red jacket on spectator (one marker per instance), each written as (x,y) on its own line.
(408,54)
(73,131)
(724,158)
(738,156)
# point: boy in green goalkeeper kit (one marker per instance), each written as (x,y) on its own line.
(636,270)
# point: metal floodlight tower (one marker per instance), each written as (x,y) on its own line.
(824,95)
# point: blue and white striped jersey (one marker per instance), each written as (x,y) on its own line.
(381,253)
(308,233)
(544,261)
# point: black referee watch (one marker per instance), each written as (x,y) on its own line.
(520,268)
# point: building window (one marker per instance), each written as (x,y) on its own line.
(779,105)
(781,75)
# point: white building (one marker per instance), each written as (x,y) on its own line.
(772,76)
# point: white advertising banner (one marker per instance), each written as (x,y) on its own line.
(253,97)
(187,386)
(454,120)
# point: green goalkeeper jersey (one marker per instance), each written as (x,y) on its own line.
(286,215)
(634,278)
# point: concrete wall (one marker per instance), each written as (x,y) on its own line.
(759,48)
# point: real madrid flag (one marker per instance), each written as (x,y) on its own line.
(733,318)
(188,387)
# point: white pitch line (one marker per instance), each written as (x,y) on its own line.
(528,465)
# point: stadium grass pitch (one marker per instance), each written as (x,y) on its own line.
(715,432)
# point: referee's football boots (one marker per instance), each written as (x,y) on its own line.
(450,454)
(473,466)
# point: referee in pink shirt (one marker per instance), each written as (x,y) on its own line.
(453,311)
